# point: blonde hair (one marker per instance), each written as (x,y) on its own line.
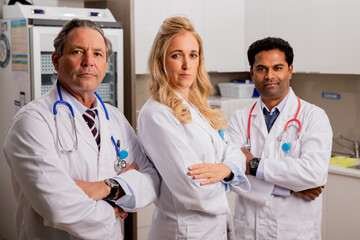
(159,86)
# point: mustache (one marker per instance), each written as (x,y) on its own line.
(86,71)
(270,81)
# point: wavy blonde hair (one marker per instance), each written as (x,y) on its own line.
(159,85)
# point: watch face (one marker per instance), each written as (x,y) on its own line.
(253,163)
(112,183)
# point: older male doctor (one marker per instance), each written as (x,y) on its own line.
(288,143)
(68,182)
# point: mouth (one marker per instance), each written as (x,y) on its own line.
(271,84)
(86,74)
(185,75)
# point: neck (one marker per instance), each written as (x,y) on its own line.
(86,98)
(273,102)
(184,92)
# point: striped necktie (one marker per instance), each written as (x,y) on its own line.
(89,117)
(270,119)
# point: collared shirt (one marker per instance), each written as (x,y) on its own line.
(81,108)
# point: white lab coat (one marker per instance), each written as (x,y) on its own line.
(258,213)
(184,209)
(50,204)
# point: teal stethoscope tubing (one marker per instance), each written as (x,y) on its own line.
(120,162)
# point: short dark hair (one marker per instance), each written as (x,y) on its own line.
(60,39)
(270,43)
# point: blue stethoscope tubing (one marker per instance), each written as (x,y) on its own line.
(120,162)
(285,146)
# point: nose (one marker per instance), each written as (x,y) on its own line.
(87,60)
(186,64)
(269,74)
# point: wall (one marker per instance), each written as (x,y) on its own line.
(344,114)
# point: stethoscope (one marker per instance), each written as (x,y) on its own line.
(285,146)
(119,163)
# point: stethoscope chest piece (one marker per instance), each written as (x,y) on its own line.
(286,147)
(120,164)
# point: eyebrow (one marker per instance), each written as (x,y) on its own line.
(178,50)
(93,49)
(276,65)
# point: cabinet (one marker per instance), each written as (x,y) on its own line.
(221,27)
(323,33)
(340,204)
(224,39)
(287,19)
(333,32)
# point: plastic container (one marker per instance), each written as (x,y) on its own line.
(237,90)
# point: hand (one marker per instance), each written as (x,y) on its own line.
(128,167)
(248,156)
(312,193)
(94,190)
(211,172)
(119,212)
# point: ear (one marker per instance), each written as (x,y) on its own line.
(290,71)
(55,61)
(251,72)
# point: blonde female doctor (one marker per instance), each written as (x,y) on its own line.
(179,133)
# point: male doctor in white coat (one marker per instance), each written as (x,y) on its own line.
(76,194)
(285,173)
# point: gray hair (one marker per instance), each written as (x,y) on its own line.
(60,39)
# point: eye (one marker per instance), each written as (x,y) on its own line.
(76,52)
(260,69)
(175,56)
(99,54)
(194,55)
(277,68)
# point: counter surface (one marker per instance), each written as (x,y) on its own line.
(350,172)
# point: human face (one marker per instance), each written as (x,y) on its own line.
(182,61)
(83,63)
(271,75)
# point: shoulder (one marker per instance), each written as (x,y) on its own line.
(241,114)
(39,108)
(156,113)
(155,108)
(116,116)
(311,110)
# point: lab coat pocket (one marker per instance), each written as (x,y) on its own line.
(239,227)
(211,230)
(296,231)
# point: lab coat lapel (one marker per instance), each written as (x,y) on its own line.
(105,134)
(82,128)
(258,121)
(196,117)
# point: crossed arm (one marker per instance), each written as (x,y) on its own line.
(213,173)
(310,194)
(100,190)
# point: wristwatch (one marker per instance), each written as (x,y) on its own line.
(253,166)
(114,185)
